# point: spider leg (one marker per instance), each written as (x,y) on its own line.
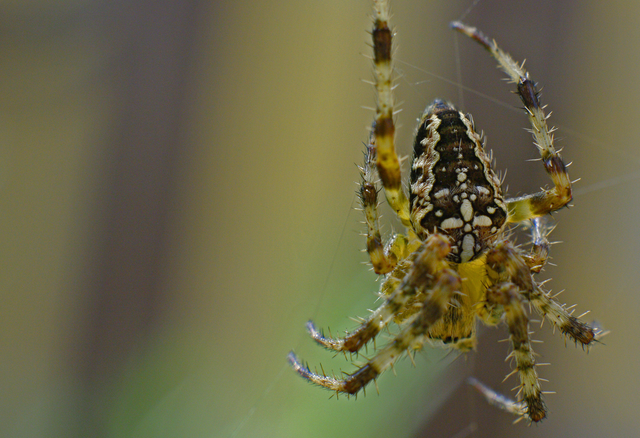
(384,258)
(429,261)
(505,257)
(558,314)
(500,401)
(411,337)
(507,295)
(546,201)
(539,254)
(384,128)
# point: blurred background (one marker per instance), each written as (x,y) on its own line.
(177,200)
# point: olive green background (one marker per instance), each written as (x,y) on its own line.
(177,194)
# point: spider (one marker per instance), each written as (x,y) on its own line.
(455,263)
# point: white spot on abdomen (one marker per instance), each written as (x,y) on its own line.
(466,209)
(467,248)
(482,221)
(450,223)
(439,194)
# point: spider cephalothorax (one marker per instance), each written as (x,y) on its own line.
(455,264)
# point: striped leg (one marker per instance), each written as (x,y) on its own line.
(507,295)
(546,201)
(562,318)
(506,258)
(411,337)
(384,129)
(383,257)
(429,261)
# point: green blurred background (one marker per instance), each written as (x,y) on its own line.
(177,193)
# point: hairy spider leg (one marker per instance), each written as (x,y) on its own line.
(387,160)
(514,285)
(428,262)
(507,295)
(506,258)
(411,337)
(384,258)
(546,201)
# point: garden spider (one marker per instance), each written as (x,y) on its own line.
(455,264)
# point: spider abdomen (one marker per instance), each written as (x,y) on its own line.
(453,189)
